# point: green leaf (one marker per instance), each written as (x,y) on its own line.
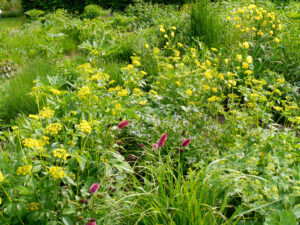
(67,220)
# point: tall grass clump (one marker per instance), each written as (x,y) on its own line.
(206,25)
(16,99)
(166,194)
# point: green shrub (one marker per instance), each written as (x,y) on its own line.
(34,14)
(4,4)
(93,11)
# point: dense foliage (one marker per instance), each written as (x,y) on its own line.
(140,118)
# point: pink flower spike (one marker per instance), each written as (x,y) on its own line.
(94,188)
(123,124)
(186,142)
(91,223)
(162,140)
(155,146)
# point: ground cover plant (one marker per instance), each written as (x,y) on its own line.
(138,117)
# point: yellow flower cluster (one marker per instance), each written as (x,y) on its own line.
(55,91)
(136,60)
(46,113)
(256,20)
(100,76)
(86,68)
(32,206)
(53,128)
(143,102)
(1,176)
(123,92)
(118,107)
(57,172)
(85,127)
(24,170)
(137,92)
(35,117)
(213,99)
(84,92)
(189,92)
(60,153)
(33,143)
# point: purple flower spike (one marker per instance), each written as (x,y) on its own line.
(123,124)
(91,223)
(155,146)
(186,142)
(162,140)
(94,188)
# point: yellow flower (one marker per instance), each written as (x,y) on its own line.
(146,46)
(239,57)
(208,74)
(55,91)
(14,128)
(260,33)
(278,108)
(162,30)
(215,90)
(179,45)
(277,91)
(36,117)
(208,63)
(118,107)
(248,72)
(228,18)
(85,127)
(206,87)
(271,32)
(226,61)
(213,99)
(143,102)
(53,128)
(245,65)
(277,40)
(172,34)
(0,200)
(173,28)
(232,96)
(32,206)
(143,73)
(221,76)
(136,63)
(249,59)
(84,92)
(279,27)
(60,153)
(24,170)
(153,92)
(46,113)
(57,172)
(1,177)
(214,49)
(250,104)
(178,83)
(246,45)
(189,92)
(137,92)
(123,92)
(156,51)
